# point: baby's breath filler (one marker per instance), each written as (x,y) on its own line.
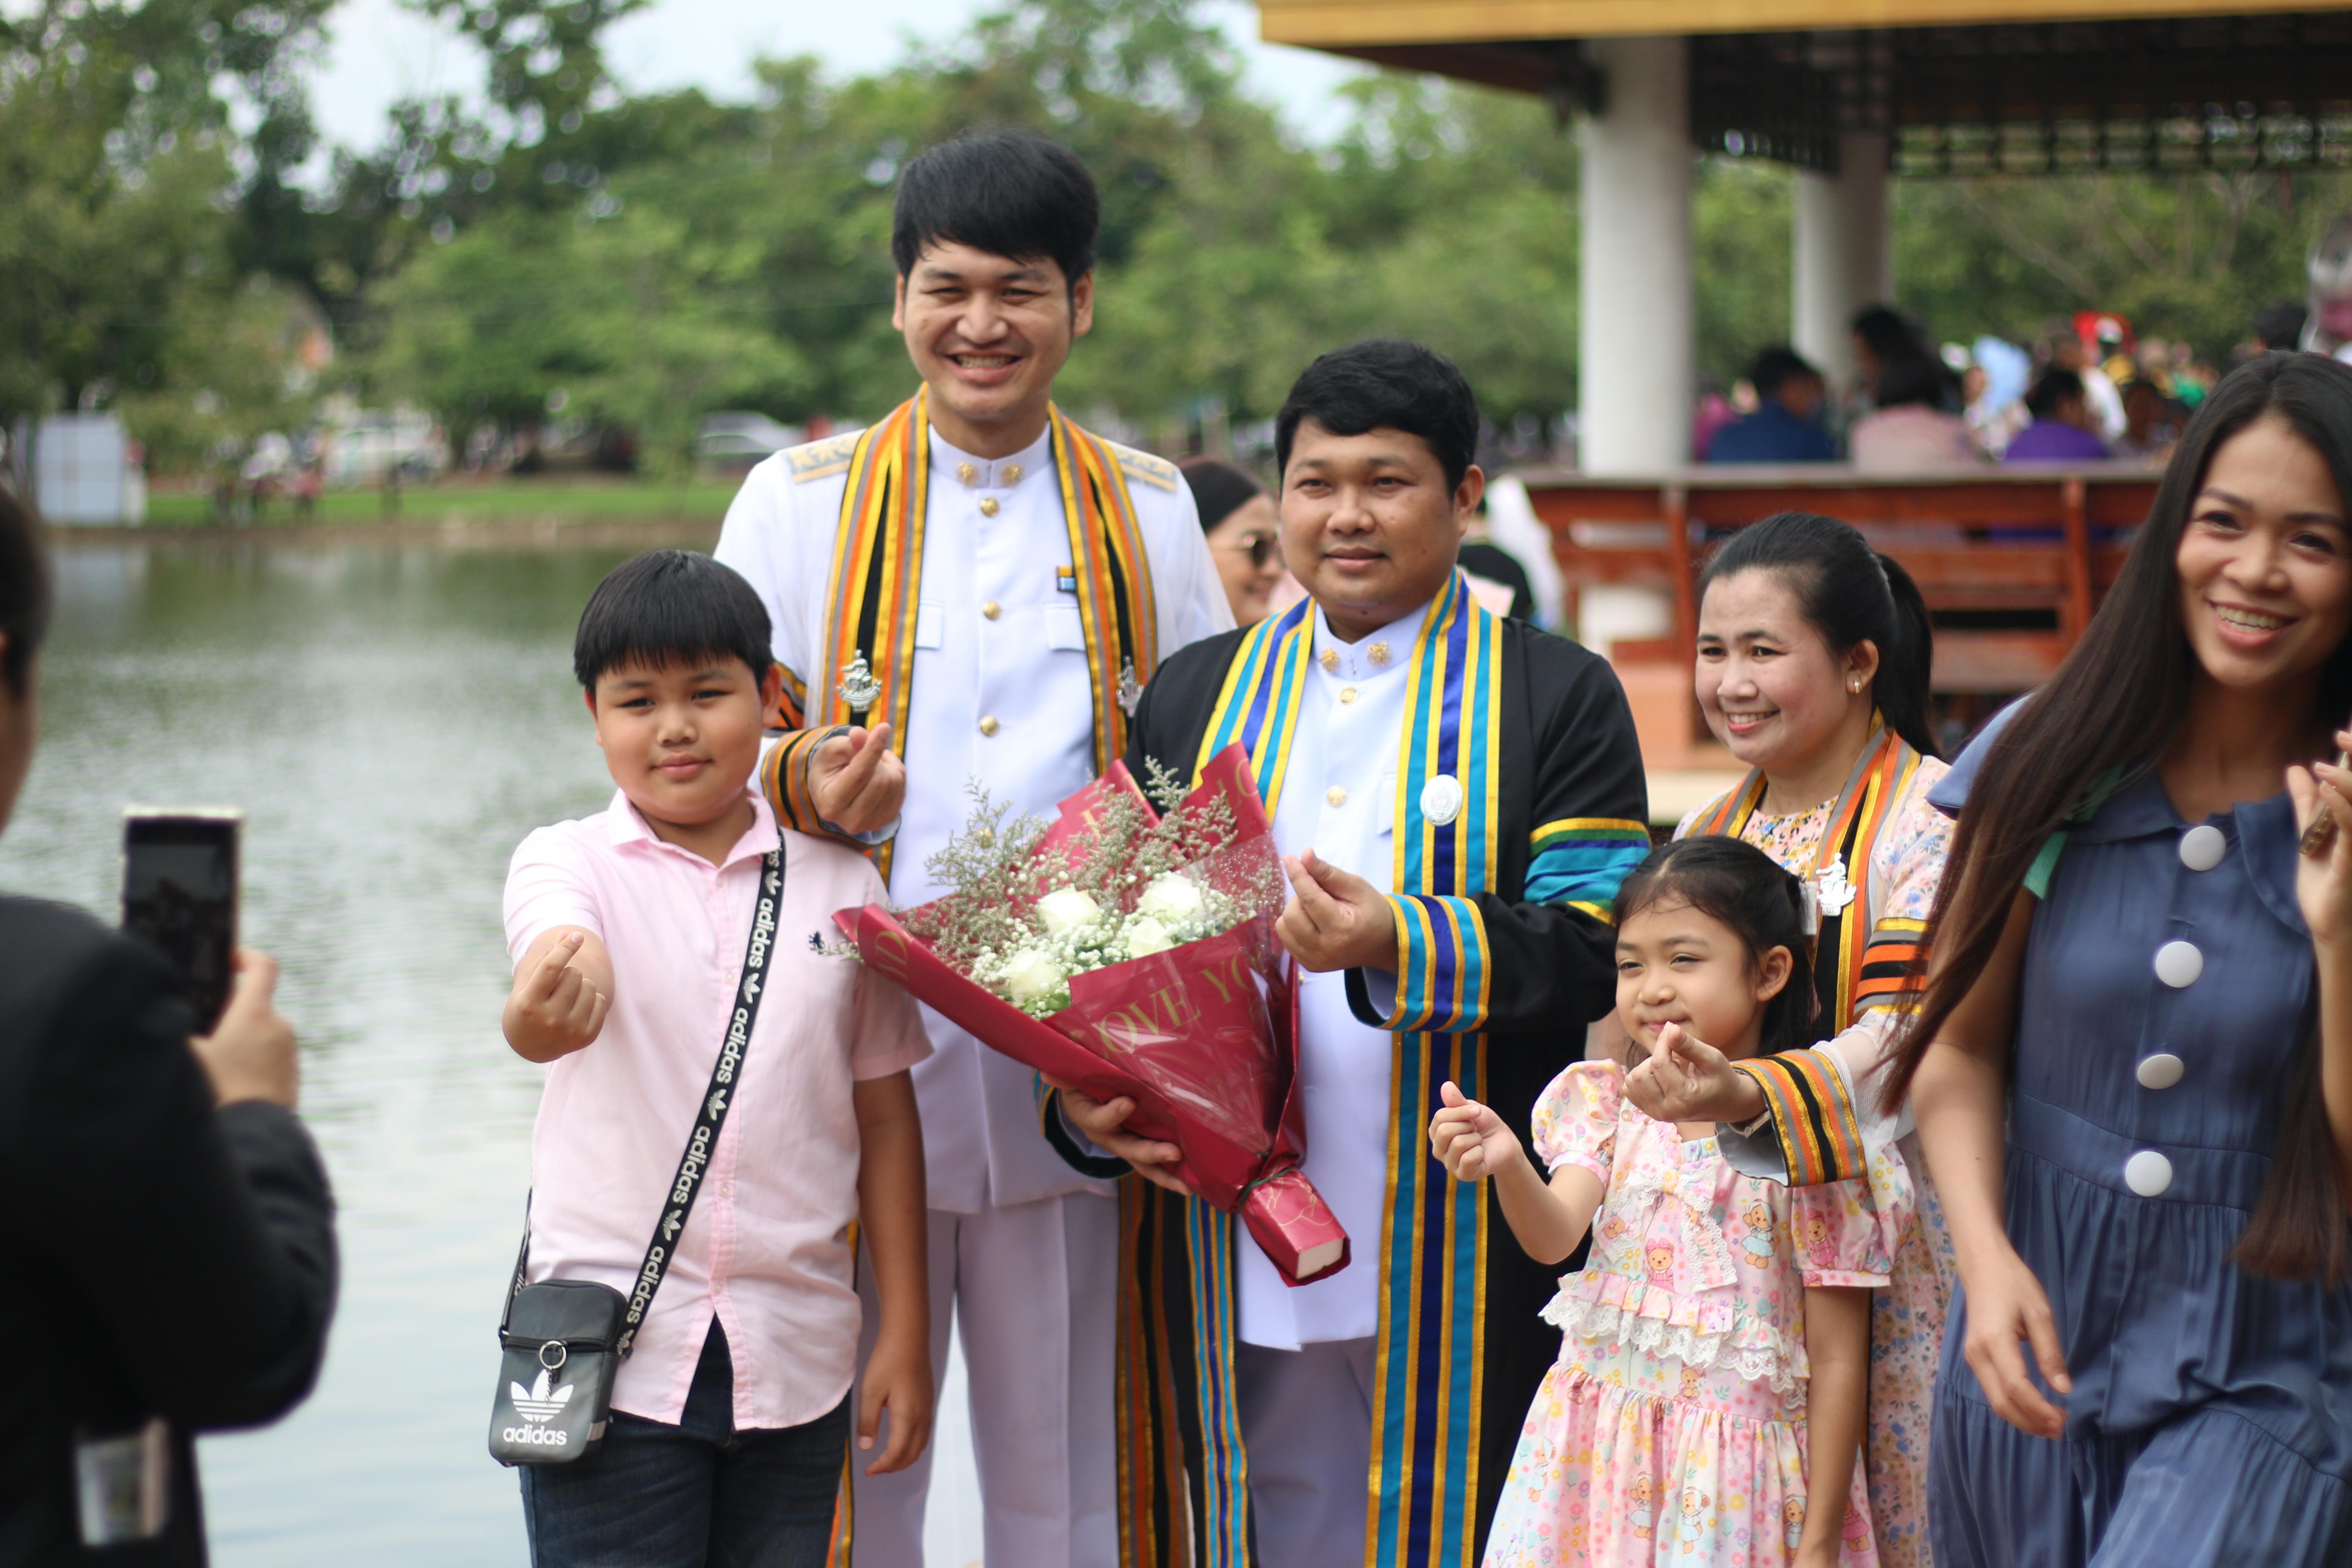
(1023,922)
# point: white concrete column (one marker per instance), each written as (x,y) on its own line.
(1844,258)
(1635,320)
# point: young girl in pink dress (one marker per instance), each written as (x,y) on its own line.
(1707,1406)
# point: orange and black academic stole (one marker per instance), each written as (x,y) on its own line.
(1855,963)
(877,580)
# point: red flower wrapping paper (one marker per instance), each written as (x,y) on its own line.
(1203,1037)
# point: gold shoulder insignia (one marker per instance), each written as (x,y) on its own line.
(1144,466)
(818,459)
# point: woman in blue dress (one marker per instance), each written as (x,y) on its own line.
(2141,984)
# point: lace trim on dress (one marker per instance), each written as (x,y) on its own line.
(1586,1308)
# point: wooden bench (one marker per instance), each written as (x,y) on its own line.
(2010,561)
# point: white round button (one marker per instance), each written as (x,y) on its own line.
(2179,963)
(2161,1071)
(2202,846)
(1441,800)
(2148,1173)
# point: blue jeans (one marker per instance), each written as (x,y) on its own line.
(695,1495)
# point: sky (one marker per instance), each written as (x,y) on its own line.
(381,51)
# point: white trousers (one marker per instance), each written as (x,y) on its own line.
(1307,1422)
(1033,1288)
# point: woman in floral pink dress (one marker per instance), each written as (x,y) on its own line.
(1707,1405)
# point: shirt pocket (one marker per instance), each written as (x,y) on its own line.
(931,624)
(1065,631)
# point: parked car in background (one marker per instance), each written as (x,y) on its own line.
(362,444)
(730,445)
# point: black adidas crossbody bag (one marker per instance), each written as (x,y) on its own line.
(564,1340)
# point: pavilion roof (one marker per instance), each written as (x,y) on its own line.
(1962,85)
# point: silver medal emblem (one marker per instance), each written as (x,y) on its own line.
(858,688)
(1130,690)
(1441,800)
(1835,890)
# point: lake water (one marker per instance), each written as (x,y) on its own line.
(394,719)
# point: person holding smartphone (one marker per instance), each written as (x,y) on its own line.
(167,1218)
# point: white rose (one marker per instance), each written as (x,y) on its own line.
(1031,975)
(1174,900)
(1146,936)
(1066,909)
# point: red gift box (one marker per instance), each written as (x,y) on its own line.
(1203,1037)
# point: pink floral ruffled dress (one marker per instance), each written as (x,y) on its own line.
(1672,1428)
(1906,1318)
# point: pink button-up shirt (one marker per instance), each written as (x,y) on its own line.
(767,1247)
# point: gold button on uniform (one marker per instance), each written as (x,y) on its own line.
(1336,795)
(991,609)
(988,506)
(988,723)
(1347,694)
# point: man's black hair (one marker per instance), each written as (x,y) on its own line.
(1886,334)
(1776,368)
(1005,191)
(669,608)
(1386,383)
(2279,326)
(2056,388)
(24,593)
(1910,378)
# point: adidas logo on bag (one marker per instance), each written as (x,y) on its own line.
(536,1405)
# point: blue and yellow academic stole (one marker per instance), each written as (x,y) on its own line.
(1424,1463)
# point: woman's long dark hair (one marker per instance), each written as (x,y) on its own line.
(1731,880)
(2115,702)
(1849,593)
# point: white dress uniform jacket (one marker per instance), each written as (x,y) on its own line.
(1002,696)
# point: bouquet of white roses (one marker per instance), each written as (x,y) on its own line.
(1132,953)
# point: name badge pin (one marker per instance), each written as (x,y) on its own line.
(1441,800)
(858,688)
(1835,891)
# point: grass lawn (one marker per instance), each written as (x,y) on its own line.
(502,501)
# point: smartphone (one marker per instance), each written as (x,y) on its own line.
(179,892)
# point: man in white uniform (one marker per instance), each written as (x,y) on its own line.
(979,587)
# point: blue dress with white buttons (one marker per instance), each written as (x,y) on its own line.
(2211,1421)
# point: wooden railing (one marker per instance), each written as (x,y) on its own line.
(2010,561)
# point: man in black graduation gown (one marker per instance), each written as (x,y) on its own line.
(1458,798)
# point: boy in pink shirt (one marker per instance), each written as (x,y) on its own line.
(627,930)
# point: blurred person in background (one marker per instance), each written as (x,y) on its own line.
(2104,402)
(169,1220)
(1994,393)
(1907,433)
(1787,424)
(2061,428)
(1243,534)
(1881,337)
(2149,427)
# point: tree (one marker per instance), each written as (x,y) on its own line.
(116,153)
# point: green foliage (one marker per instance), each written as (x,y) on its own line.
(117,161)
(660,257)
(2184,255)
(1741,213)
